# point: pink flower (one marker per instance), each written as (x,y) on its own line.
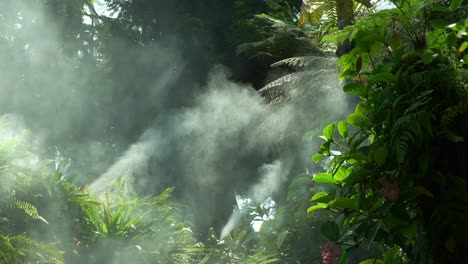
(331,253)
(390,191)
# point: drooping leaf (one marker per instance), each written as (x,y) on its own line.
(359,64)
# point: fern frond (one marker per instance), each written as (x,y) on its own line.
(37,251)
(305,61)
(409,129)
(27,208)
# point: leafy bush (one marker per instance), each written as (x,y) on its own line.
(395,165)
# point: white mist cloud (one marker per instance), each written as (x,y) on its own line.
(272,177)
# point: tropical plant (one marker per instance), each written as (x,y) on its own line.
(394,189)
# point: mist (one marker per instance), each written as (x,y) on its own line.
(184,123)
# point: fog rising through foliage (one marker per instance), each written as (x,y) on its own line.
(273,131)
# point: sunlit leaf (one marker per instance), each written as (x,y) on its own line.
(343,128)
(328,131)
(324,178)
(358,119)
(314,208)
(316,157)
(321,197)
(341,174)
(463,47)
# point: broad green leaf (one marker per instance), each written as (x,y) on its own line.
(465,59)
(324,178)
(391,257)
(439,23)
(344,203)
(440,9)
(380,155)
(341,174)
(328,131)
(343,128)
(356,88)
(316,157)
(331,231)
(314,208)
(358,119)
(321,197)
(362,108)
(463,47)
(455,4)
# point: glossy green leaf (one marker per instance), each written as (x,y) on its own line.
(356,88)
(358,119)
(362,108)
(324,178)
(331,231)
(341,174)
(463,47)
(455,4)
(316,157)
(321,197)
(328,131)
(343,128)
(314,208)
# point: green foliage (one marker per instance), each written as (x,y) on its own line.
(396,160)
